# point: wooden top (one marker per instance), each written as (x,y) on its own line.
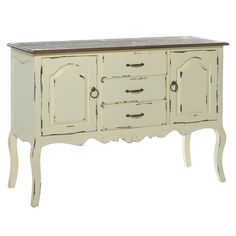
(113,44)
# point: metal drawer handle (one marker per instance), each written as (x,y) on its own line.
(94,93)
(135,65)
(135,115)
(174,86)
(134,91)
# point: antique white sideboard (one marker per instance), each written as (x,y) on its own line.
(71,91)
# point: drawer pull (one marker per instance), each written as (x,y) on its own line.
(135,115)
(134,91)
(135,65)
(94,93)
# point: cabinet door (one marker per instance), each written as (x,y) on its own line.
(193,86)
(66,103)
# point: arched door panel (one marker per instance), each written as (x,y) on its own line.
(195,76)
(67,106)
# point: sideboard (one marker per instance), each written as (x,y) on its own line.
(70,91)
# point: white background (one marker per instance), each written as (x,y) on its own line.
(119,188)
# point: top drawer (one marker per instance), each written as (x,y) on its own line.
(134,63)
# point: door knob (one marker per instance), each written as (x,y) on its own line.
(94,93)
(174,86)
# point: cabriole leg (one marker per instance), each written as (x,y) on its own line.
(219,148)
(12,143)
(186,150)
(36,173)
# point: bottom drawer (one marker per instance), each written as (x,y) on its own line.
(133,115)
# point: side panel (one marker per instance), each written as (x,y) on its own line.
(22,94)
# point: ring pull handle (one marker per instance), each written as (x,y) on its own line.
(94,93)
(135,65)
(174,86)
(134,90)
(135,115)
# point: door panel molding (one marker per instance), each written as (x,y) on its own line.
(66,84)
(198,88)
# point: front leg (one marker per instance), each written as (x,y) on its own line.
(12,143)
(36,172)
(186,150)
(219,148)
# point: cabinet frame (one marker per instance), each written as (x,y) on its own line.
(32,78)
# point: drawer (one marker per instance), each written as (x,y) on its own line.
(134,63)
(134,89)
(129,115)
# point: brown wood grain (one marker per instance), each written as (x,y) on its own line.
(113,44)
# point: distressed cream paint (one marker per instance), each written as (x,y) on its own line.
(71,97)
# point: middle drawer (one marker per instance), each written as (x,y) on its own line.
(140,88)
